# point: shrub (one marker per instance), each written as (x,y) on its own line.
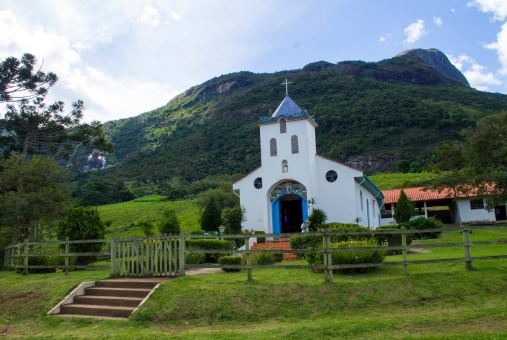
(56,261)
(392,240)
(232,218)
(351,257)
(260,259)
(423,223)
(82,223)
(317,218)
(169,223)
(209,244)
(147,227)
(233,260)
(278,257)
(305,242)
(260,239)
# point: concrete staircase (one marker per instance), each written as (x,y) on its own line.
(277,244)
(116,298)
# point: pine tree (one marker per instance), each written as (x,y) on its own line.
(404,208)
(211,217)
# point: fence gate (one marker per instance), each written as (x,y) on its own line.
(157,256)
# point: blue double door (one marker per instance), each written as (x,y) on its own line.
(288,213)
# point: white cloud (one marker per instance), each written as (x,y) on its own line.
(175,16)
(479,78)
(476,74)
(460,60)
(105,97)
(501,48)
(453,10)
(437,21)
(382,39)
(150,16)
(497,7)
(414,31)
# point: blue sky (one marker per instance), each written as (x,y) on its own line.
(127,57)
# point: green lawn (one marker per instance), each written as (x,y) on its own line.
(436,301)
(148,207)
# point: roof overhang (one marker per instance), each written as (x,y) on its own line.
(373,189)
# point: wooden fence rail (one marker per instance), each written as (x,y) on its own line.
(166,255)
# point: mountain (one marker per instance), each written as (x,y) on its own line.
(370,115)
(438,61)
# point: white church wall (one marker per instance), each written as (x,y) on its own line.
(249,198)
(335,198)
(471,215)
(369,208)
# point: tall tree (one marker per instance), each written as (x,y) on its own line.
(19,80)
(485,150)
(404,208)
(34,127)
(30,193)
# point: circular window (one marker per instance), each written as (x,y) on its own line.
(258,183)
(331,176)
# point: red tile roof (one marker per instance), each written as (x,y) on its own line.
(417,194)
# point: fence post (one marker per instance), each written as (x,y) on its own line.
(248,256)
(181,269)
(113,257)
(25,258)
(329,257)
(66,255)
(466,246)
(404,250)
(6,257)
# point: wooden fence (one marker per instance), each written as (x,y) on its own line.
(165,255)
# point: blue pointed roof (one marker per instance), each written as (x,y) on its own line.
(287,108)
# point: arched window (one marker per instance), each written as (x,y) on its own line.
(294,143)
(272,147)
(283,125)
(361,198)
(285,166)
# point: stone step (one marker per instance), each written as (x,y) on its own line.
(129,283)
(107,300)
(96,310)
(121,292)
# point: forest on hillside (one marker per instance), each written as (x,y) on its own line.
(371,115)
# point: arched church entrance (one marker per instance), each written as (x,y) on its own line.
(289,207)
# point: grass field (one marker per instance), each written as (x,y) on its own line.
(436,301)
(147,207)
(399,180)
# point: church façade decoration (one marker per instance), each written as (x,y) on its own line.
(288,188)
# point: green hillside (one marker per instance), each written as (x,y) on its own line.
(394,109)
(125,215)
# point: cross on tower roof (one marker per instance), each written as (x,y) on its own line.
(286,86)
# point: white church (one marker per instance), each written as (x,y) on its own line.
(291,174)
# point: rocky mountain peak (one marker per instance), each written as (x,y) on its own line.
(437,60)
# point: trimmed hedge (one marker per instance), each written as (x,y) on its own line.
(233,260)
(423,223)
(314,242)
(194,258)
(209,244)
(351,257)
